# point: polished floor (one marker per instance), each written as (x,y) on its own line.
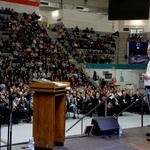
(133,133)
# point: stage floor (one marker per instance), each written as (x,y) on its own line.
(131,139)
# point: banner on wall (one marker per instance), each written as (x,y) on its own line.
(122,78)
(138,46)
(23,2)
(138,59)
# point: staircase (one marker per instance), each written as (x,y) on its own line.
(115,57)
(122,51)
(54,36)
(122,48)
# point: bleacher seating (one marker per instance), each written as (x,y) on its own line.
(28,52)
(78,43)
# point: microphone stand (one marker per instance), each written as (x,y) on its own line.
(0,125)
(9,142)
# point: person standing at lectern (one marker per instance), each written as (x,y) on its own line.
(146,77)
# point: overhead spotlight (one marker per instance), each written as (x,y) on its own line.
(55,13)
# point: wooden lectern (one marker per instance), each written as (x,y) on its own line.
(49,114)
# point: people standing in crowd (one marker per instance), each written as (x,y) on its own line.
(137,108)
(24,109)
(71,104)
(124,100)
(79,101)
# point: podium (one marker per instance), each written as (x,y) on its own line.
(49,114)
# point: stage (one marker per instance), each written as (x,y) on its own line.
(131,139)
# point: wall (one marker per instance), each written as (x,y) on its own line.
(72,18)
(52,17)
(21,5)
(131,73)
(130,76)
(145,24)
(99,22)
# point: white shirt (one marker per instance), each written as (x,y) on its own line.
(147,81)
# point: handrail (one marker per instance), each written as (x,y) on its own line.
(115,116)
(89,112)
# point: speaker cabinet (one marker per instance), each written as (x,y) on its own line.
(105,126)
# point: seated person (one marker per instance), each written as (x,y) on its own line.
(23,107)
(76,29)
(92,30)
(71,105)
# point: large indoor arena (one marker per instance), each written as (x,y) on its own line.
(74,75)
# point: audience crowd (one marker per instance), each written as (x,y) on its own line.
(81,43)
(84,99)
(137,38)
(27,52)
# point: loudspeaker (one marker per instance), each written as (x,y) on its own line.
(105,126)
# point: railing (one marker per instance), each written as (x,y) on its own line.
(81,119)
(115,116)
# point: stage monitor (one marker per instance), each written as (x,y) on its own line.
(128,10)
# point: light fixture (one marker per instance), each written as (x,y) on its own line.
(55,13)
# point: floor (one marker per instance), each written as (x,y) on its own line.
(132,133)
